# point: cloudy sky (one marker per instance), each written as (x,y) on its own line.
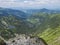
(50,4)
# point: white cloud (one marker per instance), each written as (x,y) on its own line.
(7,0)
(30,3)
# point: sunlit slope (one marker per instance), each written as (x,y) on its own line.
(52,33)
(51,36)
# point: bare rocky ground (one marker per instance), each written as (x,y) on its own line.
(25,40)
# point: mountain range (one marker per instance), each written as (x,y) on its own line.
(43,23)
(44,10)
(17,13)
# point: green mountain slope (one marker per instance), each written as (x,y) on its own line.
(47,27)
(52,33)
(9,25)
(51,36)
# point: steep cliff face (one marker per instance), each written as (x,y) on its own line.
(25,40)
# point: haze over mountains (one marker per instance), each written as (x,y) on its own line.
(42,10)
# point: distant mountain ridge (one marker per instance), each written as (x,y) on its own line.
(17,13)
(42,11)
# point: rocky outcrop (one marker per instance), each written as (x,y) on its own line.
(27,40)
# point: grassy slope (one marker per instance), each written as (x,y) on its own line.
(50,28)
(51,36)
(52,33)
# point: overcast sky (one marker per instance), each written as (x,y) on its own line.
(51,4)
